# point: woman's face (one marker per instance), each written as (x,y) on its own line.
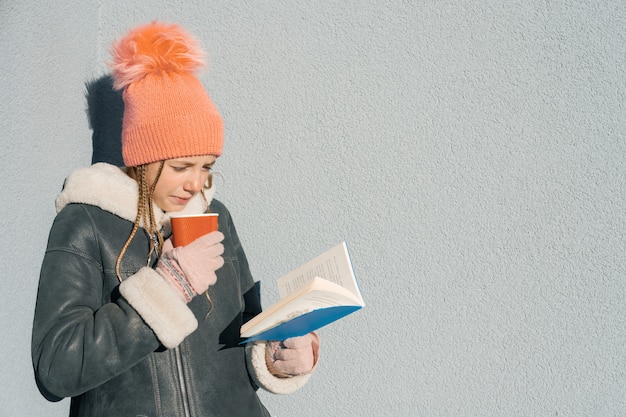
(180,180)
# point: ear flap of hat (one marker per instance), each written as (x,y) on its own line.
(105,111)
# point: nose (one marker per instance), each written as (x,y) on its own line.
(194,183)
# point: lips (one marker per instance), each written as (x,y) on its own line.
(181,200)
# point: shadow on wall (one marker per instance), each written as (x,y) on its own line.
(105,110)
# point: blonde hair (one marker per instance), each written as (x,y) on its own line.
(145,212)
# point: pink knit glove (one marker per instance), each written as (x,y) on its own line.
(190,269)
(293,356)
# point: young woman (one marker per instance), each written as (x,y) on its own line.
(125,324)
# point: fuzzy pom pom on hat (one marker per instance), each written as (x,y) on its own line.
(167,112)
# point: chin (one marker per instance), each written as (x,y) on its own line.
(175,209)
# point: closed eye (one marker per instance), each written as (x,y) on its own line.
(181,165)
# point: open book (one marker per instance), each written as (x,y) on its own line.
(317,293)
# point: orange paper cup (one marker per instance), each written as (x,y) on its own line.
(189,227)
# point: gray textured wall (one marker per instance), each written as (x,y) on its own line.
(472,153)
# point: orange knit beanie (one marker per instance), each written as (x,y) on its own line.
(167,112)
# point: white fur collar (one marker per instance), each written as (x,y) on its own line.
(108,187)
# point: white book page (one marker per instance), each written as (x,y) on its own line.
(333,265)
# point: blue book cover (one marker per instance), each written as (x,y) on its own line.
(305,323)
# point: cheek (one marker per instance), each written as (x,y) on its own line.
(165,186)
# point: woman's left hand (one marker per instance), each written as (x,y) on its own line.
(293,356)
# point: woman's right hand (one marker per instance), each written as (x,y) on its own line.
(190,269)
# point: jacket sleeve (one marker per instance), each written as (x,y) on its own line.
(255,353)
(255,356)
(161,308)
(79,341)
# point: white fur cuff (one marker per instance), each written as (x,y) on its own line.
(255,356)
(160,307)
